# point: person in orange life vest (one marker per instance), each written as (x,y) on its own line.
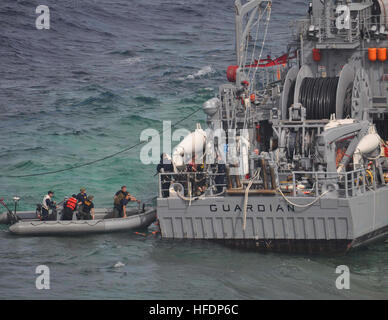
(70,207)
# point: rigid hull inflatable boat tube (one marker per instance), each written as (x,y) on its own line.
(100,213)
(83,227)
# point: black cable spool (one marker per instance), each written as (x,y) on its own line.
(318,96)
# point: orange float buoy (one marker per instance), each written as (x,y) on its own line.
(372,54)
(382,54)
(253,97)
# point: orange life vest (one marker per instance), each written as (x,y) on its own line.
(71,203)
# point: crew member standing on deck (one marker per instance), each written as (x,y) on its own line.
(47,204)
(165,166)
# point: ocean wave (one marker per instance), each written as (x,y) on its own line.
(131,61)
(12,153)
(26,164)
(125,53)
(144,122)
(147,100)
(205,71)
(198,99)
(103,100)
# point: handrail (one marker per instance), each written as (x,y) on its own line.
(348,184)
(188,179)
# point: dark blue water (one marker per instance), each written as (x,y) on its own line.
(86,88)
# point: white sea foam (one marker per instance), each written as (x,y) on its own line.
(201,73)
(130,61)
(119,264)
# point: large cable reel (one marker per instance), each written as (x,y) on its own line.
(321,97)
(345,92)
(362,95)
(289,91)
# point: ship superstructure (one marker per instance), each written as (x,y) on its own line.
(294,157)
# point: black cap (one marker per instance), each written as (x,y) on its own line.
(52,192)
(74,196)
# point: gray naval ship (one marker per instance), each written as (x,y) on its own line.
(294,156)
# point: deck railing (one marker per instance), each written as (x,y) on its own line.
(346,184)
(303,183)
(194,183)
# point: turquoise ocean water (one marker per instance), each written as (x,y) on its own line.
(86,88)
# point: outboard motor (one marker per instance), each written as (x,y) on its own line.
(12,218)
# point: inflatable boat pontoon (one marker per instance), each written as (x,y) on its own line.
(31,226)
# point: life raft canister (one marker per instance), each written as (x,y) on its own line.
(71,203)
(231,73)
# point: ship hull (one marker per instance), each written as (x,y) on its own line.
(272,224)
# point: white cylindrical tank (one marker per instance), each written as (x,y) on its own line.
(369,147)
(368,144)
(194,143)
(244,156)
